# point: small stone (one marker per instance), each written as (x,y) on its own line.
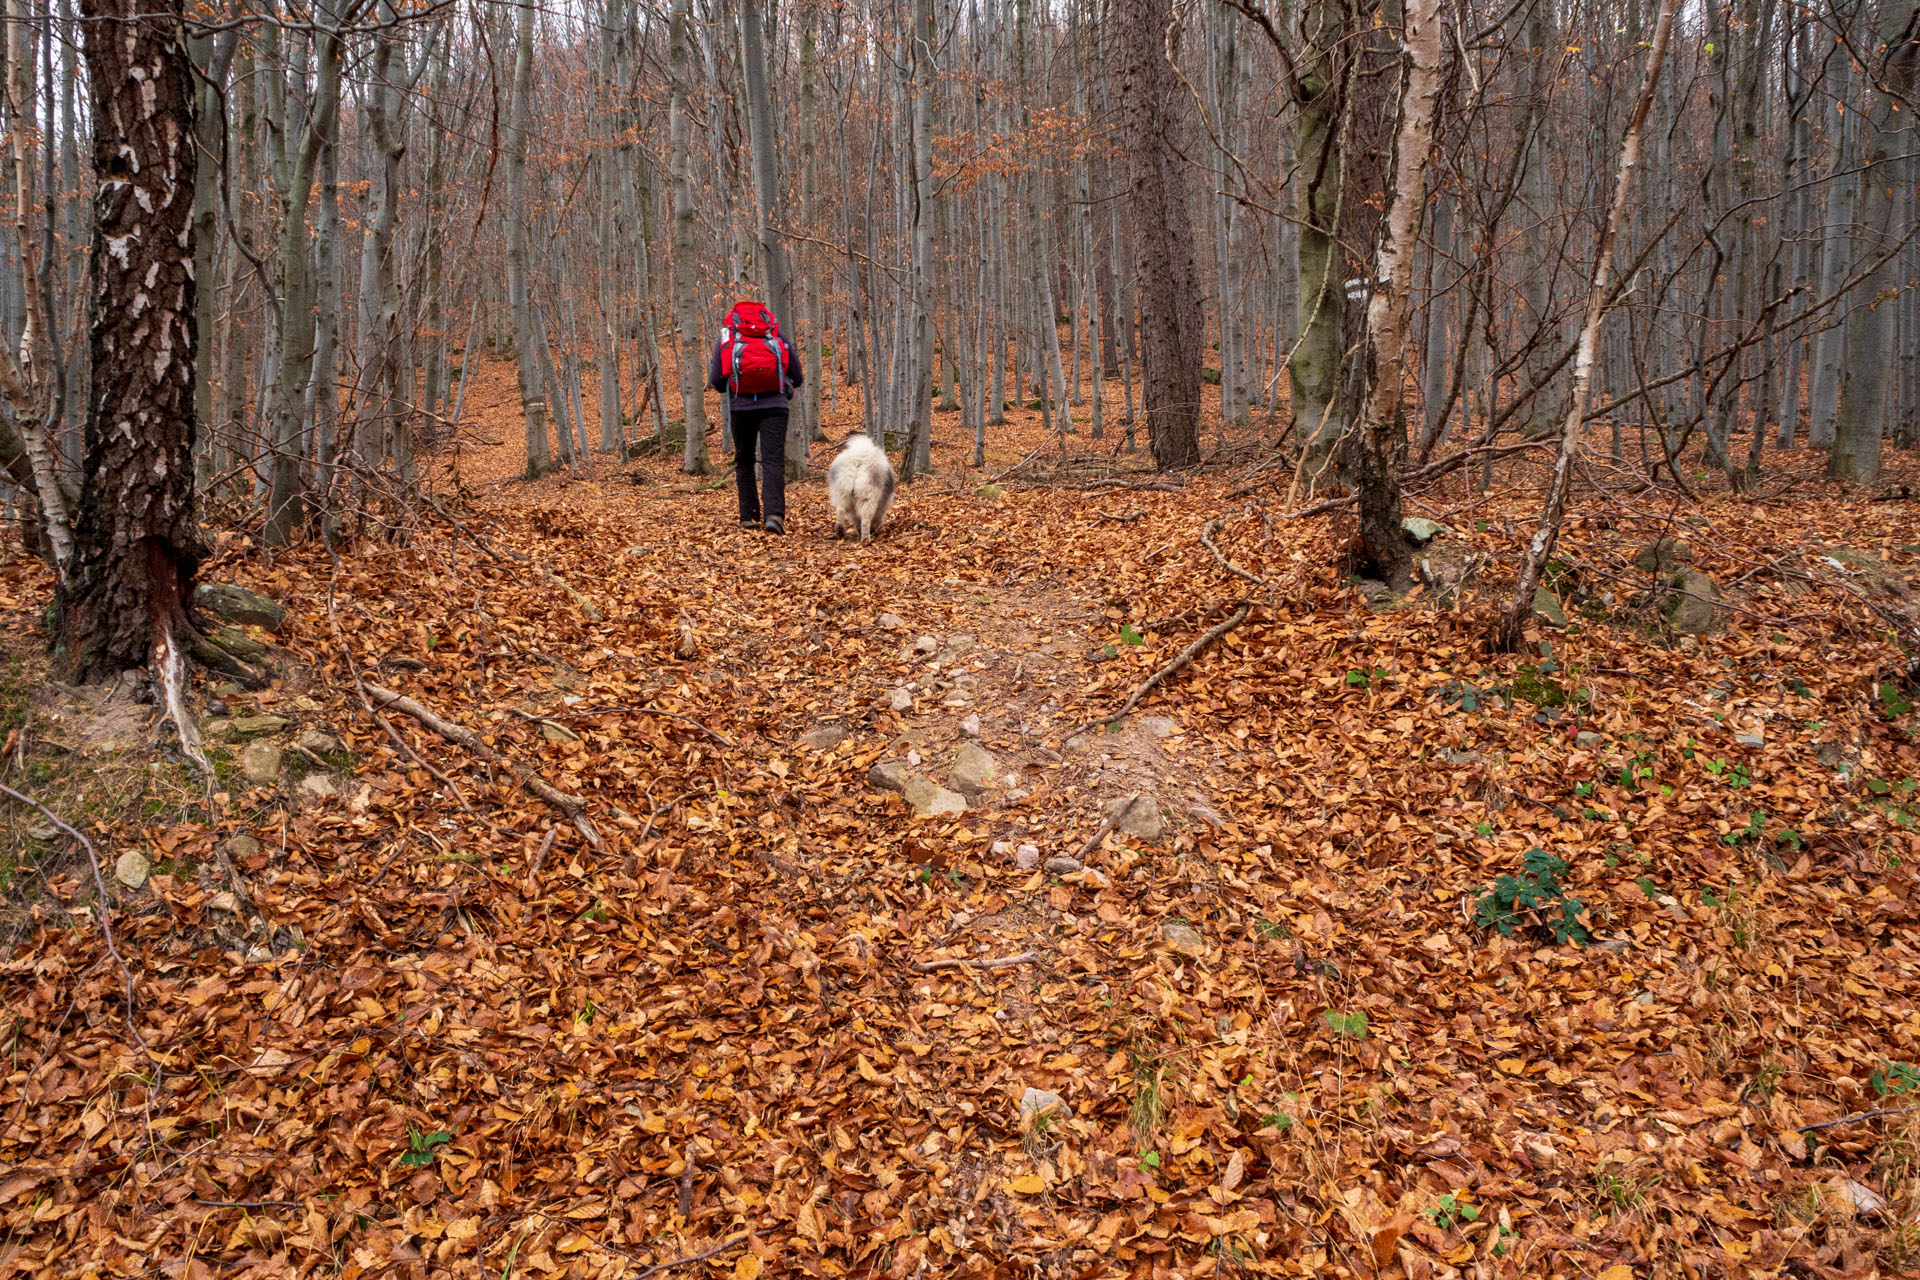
(216,708)
(1459,755)
(132,868)
(1663,556)
(318,786)
(1752,740)
(228,689)
(955,646)
(256,726)
(1158,726)
(930,800)
(1615,945)
(892,622)
(1422,530)
(1185,939)
(1547,607)
(902,699)
(320,742)
(241,846)
(1062,865)
(890,775)
(971,725)
(1035,1103)
(42,831)
(1026,857)
(991,492)
(823,737)
(1588,740)
(913,757)
(926,644)
(261,762)
(237,604)
(974,769)
(1142,818)
(1691,607)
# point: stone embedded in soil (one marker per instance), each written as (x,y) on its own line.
(1158,726)
(991,492)
(971,725)
(932,800)
(1588,740)
(255,726)
(1035,1103)
(1062,865)
(892,622)
(1753,740)
(1547,607)
(974,769)
(1691,609)
(1422,530)
(318,786)
(1663,556)
(237,604)
(132,868)
(823,737)
(1185,939)
(890,775)
(902,699)
(242,846)
(320,742)
(261,762)
(1142,819)
(1208,815)
(1026,857)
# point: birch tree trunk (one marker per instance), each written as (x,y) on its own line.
(1519,609)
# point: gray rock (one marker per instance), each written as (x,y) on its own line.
(974,769)
(1185,939)
(926,644)
(1026,857)
(823,737)
(217,707)
(1158,726)
(1753,740)
(890,775)
(318,786)
(1690,608)
(132,869)
(241,645)
(971,725)
(893,622)
(955,646)
(1422,530)
(1061,865)
(1143,819)
(932,800)
(320,742)
(255,726)
(902,699)
(239,605)
(1547,607)
(1035,1103)
(1833,756)
(261,762)
(242,846)
(1458,755)
(1663,556)
(1588,740)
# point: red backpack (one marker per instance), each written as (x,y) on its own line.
(754,361)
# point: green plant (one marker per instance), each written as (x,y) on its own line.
(1129,635)
(1893,703)
(1893,1079)
(1273,929)
(1149,1159)
(420,1146)
(1450,1211)
(1536,889)
(1351,1025)
(1756,823)
(1485,829)
(1362,679)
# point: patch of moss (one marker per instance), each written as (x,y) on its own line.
(1540,690)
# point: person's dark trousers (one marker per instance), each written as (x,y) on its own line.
(769,427)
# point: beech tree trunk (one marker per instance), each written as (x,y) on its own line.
(136,539)
(688,348)
(1172,331)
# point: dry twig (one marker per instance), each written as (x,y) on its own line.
(1183,659)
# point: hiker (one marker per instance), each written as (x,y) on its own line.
(756,367)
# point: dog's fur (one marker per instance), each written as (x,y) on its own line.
(859,488)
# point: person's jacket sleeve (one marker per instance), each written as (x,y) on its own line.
(714,379)
(796,376)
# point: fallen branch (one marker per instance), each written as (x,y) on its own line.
(572,806)
(104,908)
(1004,962)
(1206,539)
(1114,819)
(722,1247)
(1856,1118)
(1181,661)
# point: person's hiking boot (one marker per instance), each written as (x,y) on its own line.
(750,525)
(776,525)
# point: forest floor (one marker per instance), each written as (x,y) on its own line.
(375,1008)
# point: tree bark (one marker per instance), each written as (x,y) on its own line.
(1172,330)
(688,348)
(137,542)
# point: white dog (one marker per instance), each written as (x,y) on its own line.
(859,488)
